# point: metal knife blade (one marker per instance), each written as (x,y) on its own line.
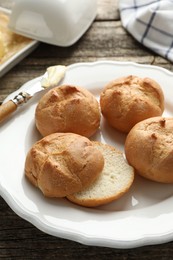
(51,78)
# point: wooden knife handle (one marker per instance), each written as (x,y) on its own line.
(7,109)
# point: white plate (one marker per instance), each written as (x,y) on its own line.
(143,216)
(19,55)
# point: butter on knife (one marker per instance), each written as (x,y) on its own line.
(51,78)
(54,75)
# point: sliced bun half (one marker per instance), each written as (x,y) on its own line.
(115,180)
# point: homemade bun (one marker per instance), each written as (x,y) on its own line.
(68,109)
(149,149)
(129,100)
(114,181)
(63,163)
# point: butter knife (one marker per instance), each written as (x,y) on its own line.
(51,78)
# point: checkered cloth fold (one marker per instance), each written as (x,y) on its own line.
(150,23)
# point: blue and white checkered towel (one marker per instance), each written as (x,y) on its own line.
(151,23)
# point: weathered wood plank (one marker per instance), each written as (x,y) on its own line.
(107,10)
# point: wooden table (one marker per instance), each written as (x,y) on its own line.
(106,39)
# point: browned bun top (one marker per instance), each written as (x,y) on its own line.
(68,109)
(129,100)
(63,163)
(149,148)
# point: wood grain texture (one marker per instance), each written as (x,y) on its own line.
(105,39)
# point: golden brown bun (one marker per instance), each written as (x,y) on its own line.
(68,109)
(115,180)
(63,163)
(129,100)
(149,149)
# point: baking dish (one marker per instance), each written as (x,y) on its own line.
(17,56)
